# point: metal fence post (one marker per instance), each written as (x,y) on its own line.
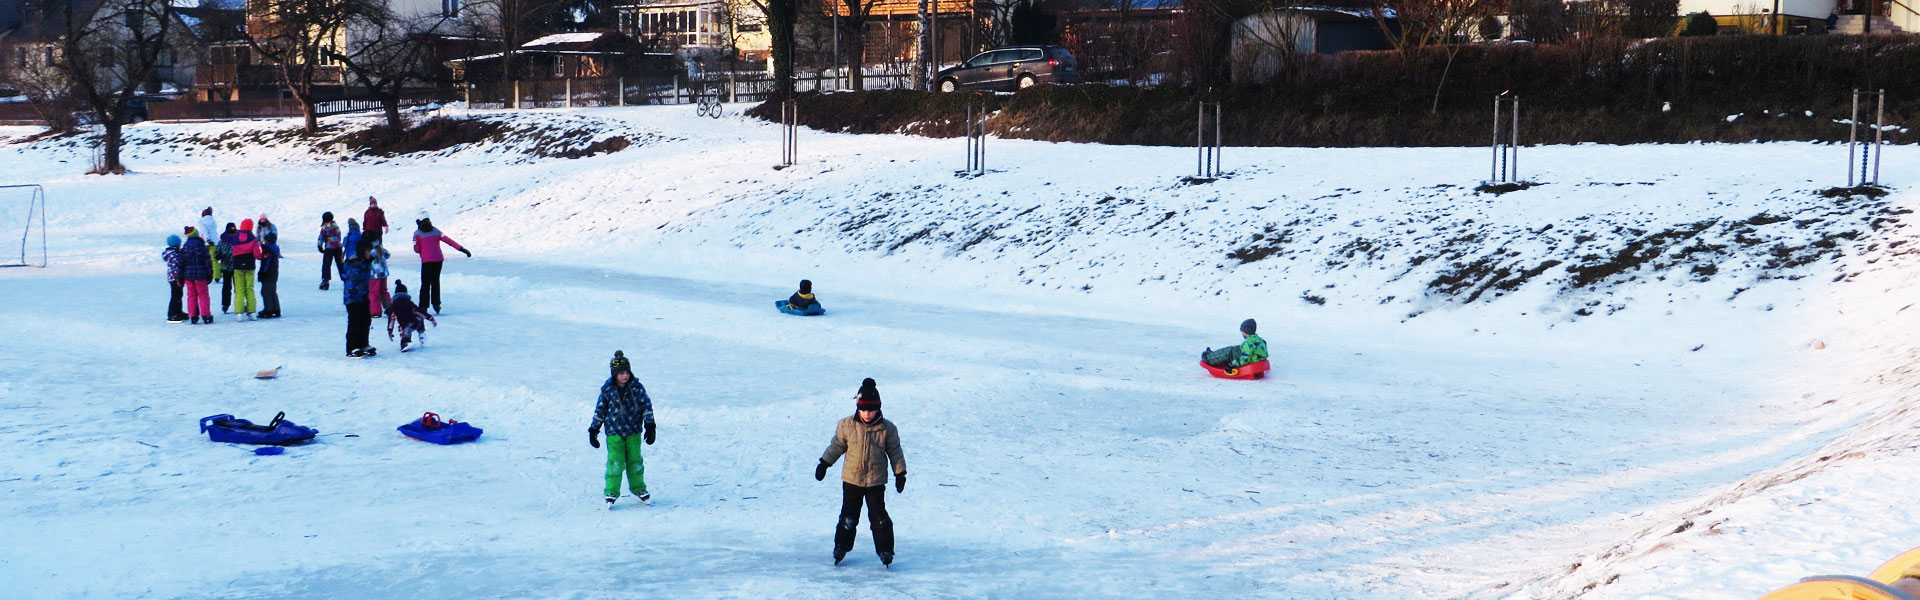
(1513,143)
(1493,164)
(1853,135)
(516,94)
(1879,133)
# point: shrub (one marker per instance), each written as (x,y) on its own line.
(1700,23)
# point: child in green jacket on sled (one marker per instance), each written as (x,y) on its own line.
(1251,350)
(627,414)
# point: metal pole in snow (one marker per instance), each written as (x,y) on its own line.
(1853,135)
(1879,134)
(1513,145)
(1493,168)
(1199,134)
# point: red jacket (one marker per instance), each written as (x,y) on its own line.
(374,220)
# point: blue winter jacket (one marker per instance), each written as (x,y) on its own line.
(353,276)
(195,265)
(623,411)
(270,265)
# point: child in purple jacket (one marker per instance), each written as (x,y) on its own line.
(401,311)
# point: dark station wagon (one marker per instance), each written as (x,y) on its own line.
(1011,68)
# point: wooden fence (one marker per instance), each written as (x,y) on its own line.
(631,91)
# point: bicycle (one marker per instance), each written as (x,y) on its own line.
(708,104)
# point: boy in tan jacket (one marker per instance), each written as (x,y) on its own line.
(870,442)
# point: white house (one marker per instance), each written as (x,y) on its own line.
(1811,15)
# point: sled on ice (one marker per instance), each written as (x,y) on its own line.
(429,428)
(1882,584)
(280,432)
(1256,370)
(811,311)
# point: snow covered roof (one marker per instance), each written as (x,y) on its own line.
(565,38)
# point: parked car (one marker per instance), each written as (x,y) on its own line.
(1011,68)
(137,107)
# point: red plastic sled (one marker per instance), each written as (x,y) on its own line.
(1248,371)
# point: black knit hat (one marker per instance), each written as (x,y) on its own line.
(869,396)
(399,287)
(619,364)
(326,217)
(1248,326)
(806,286)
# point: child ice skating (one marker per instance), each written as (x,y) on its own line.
(377,296)
(223,261)
(627,413)
(270,276)
(1251,350)
(210,233)
(375,220)
(426,243)
(171,256)
(263,228)
(196,269)
(328,245)
(353,293)
(408,317)
(246,254)
(870,442)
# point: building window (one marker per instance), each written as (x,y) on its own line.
(450,8)
(559,67)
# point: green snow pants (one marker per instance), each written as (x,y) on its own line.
(623,456)
(243,298)
(1223,357)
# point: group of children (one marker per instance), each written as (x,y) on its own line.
(364,272)
(242,255)
(250,252)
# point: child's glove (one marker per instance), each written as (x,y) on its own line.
(649,434)
(466,252)
(593,437)
(900,483)
(820,471)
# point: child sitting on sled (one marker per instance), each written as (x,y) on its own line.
(802,299)
(403,312)
(1251,350)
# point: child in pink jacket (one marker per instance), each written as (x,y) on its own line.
(426,243)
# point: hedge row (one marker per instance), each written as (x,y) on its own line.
(1607,91)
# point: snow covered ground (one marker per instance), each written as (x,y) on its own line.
(1677,367)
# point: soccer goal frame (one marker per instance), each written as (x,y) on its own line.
(36,208)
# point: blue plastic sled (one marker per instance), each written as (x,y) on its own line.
(811,311)
(228,430)
(428,428)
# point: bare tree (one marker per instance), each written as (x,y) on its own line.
(1425,23)
(781,18)
(48,90)
(107,56)
(854,18)
(515,22)
(301,37)
(394,55)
